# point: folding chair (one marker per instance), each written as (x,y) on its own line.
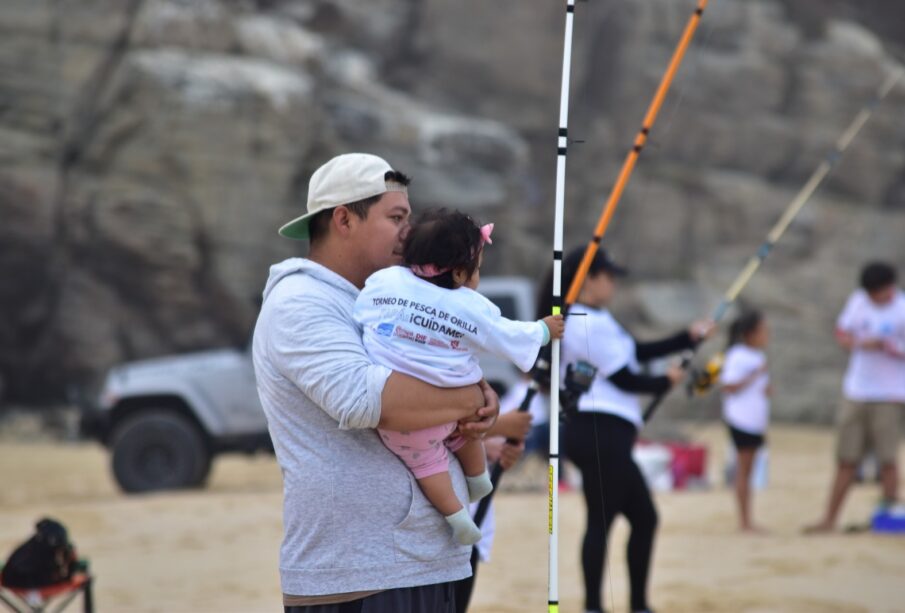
(40,600)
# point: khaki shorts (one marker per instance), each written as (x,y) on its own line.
(867,426)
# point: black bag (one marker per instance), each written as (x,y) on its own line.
(46,558)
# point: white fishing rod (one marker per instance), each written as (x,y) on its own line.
(805,194)
(792,210)
(553,475)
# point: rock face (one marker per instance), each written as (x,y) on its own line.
(151,148)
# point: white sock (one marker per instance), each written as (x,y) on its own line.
(464,529)
(479,486)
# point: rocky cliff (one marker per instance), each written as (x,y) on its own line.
(151,147)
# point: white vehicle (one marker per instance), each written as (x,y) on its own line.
(165,419)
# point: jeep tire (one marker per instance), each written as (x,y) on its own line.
(158,450)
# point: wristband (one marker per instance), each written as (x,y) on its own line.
(543,325)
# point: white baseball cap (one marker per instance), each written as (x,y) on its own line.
(345,179)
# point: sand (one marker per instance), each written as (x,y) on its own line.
(216,549)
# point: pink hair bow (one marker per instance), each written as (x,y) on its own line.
(486,229)
(426,271)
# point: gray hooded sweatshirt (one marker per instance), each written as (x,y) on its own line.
(354,518)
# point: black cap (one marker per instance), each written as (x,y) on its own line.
(602,262)
(609,265)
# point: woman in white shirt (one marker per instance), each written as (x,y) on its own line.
(599,437)
(745,385)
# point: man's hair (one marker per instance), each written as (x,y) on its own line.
(319,225)
(447,239)
(876,276)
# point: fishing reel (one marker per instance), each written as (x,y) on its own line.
(541,371)
(578,380)
(703,379)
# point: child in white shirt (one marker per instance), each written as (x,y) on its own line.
(424,319)
(745,385)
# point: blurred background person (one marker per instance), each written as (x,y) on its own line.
(599,438)
(871,328)
(746,390)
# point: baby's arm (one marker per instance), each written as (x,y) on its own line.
(516,341)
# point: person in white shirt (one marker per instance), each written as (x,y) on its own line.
(425,319)
(745,385)
(872,328)
(599,437)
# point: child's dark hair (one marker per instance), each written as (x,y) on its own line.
(448,240)
(877,275)
(744,324)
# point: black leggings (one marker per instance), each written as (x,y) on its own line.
(600,445)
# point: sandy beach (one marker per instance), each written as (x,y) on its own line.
(216,549)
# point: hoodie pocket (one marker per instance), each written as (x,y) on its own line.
(423,535)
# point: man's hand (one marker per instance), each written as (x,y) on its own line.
(701,329)
(675,373)
(510,454)
(514,425)
(845,339)
(895,348)
(872,344)
(498,450)
(476,426)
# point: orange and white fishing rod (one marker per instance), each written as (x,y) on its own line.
(631,159)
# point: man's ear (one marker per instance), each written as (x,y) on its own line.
(342,220)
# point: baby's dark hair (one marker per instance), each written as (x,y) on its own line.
(448,240)
(746,323)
